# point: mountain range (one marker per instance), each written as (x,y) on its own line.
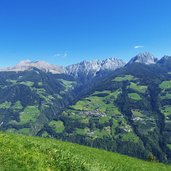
(84,67)
(110,104)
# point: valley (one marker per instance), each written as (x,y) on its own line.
(108,105)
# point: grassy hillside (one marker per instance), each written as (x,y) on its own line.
(30,153)
(117,117)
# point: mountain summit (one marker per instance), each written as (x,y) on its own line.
(29,65)
(144,58)
(90,68)
(165,59)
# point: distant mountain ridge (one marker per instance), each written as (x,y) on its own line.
(28,65)
(86,68)
(144,58)
(90,68)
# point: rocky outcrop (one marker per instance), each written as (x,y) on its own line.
(144,58)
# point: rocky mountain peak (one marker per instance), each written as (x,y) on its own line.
(29,65)
(24,62)
(144,58)
(165,60)
(112,64)
(92,67)
(166,57)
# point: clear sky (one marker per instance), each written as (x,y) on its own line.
(68,31)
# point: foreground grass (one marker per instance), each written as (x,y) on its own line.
(22,153)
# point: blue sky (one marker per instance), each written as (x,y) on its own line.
(68,31)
